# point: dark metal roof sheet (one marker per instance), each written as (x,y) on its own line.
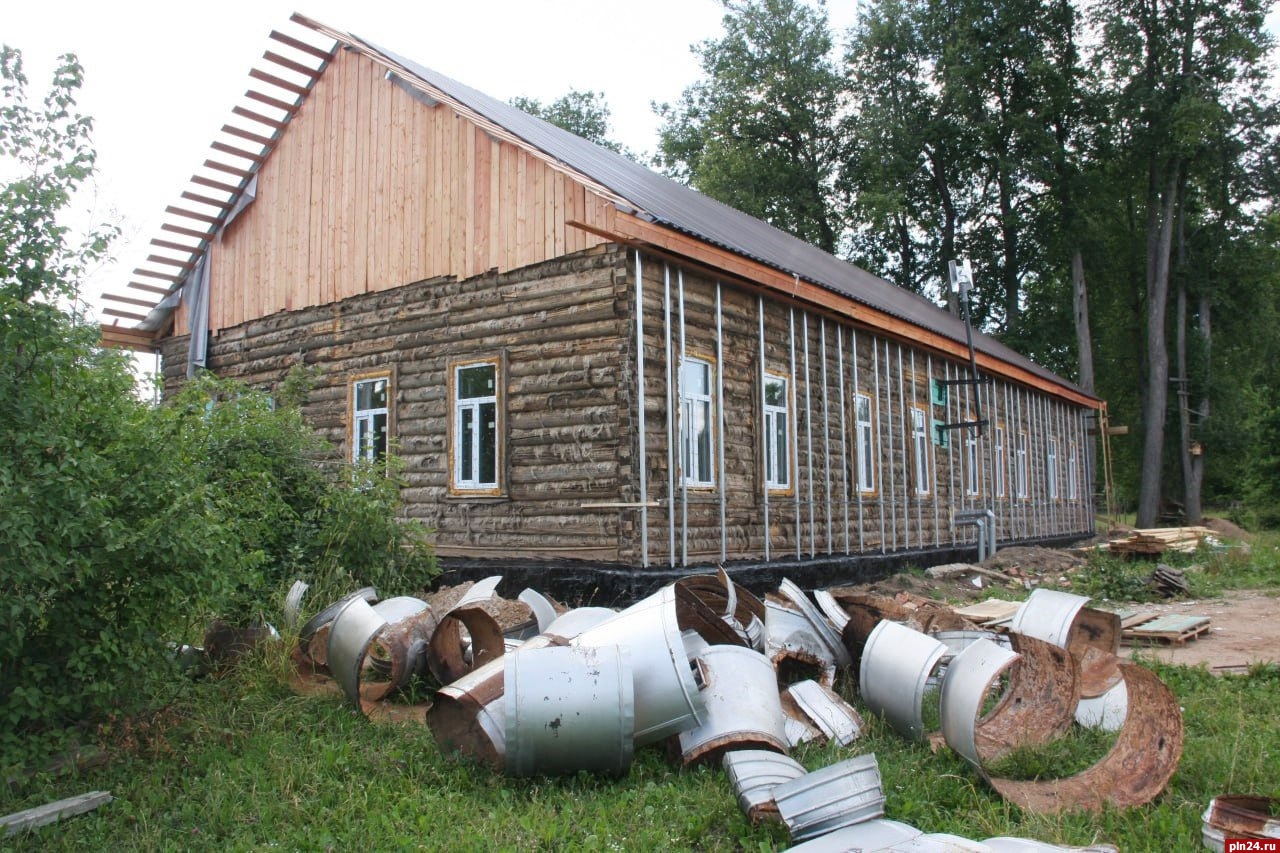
(687,210)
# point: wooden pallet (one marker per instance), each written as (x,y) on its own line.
(1168,628)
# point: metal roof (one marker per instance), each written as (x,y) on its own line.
(689,211)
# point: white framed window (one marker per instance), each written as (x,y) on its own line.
(866,457)
(777,432)
(1000,461)
(1051,467)
(1073,485)
(370,417)
(475,426)
(697,419)
(972,473)
(1020,467)
(920,449)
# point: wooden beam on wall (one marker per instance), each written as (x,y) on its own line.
(187,232)
(149,288)
(297,67)
(129,300)
(232,130)
(275,124)
(277,82)
(298,44)
(123,338)
(287,107)
(237,152)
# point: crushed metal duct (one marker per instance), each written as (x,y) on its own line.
(1137,768)
(399,652)
(831,798)
(450,656)
(1063,619)
(568,708)
(667,693)
(571,623)
(793,645)
(870,836)
(829,636)
(1239,816)
(754,773)
(834,718)
(316,628)
(544,612)
(831,608)
(293,604)
(735,605)
(743,709)
(893,678)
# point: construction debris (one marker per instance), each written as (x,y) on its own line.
(1169,628)
(1168,581)
(29,819)
(702,665)
(1239,816)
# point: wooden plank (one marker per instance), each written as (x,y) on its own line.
(176,279)
(241,133)
(398,193)
(230,170)
(298,44)
(29,819)
(297,67)
(129,300)
(189,214)
(238,152)
(380,221)
(245,112)
(128,315)
(362,214)
(126,338)
(277,82)
(178,247)
(149,288)
(204,199)
(1172,628)
(284,106)
(233,189)
(187,232)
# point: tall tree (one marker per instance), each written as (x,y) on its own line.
(758,131)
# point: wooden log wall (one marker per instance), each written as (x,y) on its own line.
(556,328)
(824,513)
(370,188)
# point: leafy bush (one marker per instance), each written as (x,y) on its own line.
(124,524)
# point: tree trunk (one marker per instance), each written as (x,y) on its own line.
(1084,338)
(1157,391)
(1183,385)
(1195,477)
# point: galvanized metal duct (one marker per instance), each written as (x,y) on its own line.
(896,665)
(743,709)
(834,718)
(754,773)
(834,797)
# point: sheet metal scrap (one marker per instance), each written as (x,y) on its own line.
(1137,768)
(313,636)
(568,708)
(1037,705)
(893,678)
(355,626)
(736,606)
(399,653)
(1243,816)
(820,708)
(743,709)
(826,633)
(449,654)
(754,773)
(836,796)
(793,645)
(1063,619)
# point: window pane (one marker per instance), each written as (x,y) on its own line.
(782,474)
(864,409)
(695,379)
(702,430)
(371,394)
(378,440)
(477,381)
(488,443)
(775,392)
(362,438)
(466,470)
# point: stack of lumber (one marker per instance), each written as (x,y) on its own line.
(1157,540)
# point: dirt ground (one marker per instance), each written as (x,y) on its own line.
(1244,631)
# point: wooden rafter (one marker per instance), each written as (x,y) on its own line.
(278,82)
(190,214)
(186,232)
(128,300)
(297,67)
(230,170)
(176,279)
(149,288)
(214,185)
(238,152)
(232,130)
(204,199)
(298,44)
(285,106)
(243,112)
(178,247)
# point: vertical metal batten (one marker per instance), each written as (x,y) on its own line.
(937,535)
(642,464)
(684,475)
(826,430)
(951,459)
(880,467)
(996,504)
(857,463)
(724,487)
(966,414)
(764,439)
(808,431)
(795,431)
(893,492)
(929,462)
(1010,452)
(844,437)
(671,431)
(1023,428)
(908,438)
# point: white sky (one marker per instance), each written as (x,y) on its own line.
(161,77)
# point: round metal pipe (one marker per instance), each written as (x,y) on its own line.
(743,709)
(568,708)
(896,664)
(354,627)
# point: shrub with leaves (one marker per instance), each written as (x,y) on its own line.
(125,526)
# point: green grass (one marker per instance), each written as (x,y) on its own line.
(241,763)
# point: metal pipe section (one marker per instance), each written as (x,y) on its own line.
(808,431)
(643,462)
(724,487)
(764,439)
(671,431)
(685,430)
(896,665)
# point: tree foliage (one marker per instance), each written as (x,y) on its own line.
(123,523)
(584,114)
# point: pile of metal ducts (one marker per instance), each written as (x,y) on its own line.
(716,675)
(1059,666)
(1239,816)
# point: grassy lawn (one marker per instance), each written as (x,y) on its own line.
(240,763)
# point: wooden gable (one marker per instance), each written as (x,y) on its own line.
(371,187)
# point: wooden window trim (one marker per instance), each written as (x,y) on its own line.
(349,421)
(499,362)
(713,423)
(874,412)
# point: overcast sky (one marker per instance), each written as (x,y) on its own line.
(161,77)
